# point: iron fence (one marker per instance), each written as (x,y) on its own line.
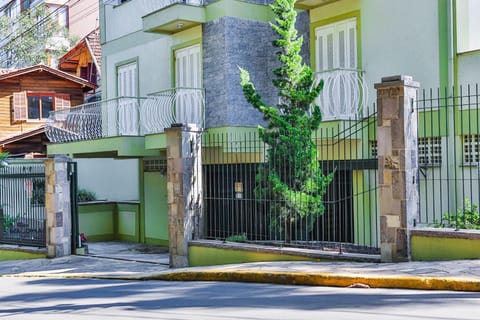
(22,202)
(240,206)
(449,156)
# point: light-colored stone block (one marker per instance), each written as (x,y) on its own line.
(393,221)
(396,134)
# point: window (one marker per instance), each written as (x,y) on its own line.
(468,25)
(89,73)
(336,63)
(471,149)
(159,165)
(187,67)
(336,45)
(127,80)
(128,121)
(430,151)
(12,10)
(59,14)
(26,4)
(37,105)
(188,81)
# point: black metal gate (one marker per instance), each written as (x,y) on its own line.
(22,202)
(233,211)
(73,178)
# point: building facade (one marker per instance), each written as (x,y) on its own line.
(180,60)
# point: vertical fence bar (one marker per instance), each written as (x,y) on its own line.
(22,202)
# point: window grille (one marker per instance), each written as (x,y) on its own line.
(157,165)
(430,151)
(471,148)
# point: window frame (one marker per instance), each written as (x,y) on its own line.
(20,104)
(471,149)
(40,110)
(136,77)
(335,24)
(430,151)
(463,14)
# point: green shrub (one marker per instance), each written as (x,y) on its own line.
(84,195)
(9,221)
(466,217)
(237,238)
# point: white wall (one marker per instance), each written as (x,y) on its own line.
(401,37)
(469,69)
(154,67)
(127,17)
(397,37)
(110,179)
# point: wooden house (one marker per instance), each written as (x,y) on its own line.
(84,59)
(26,97)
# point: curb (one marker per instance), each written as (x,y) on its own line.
(289,278)
(326,279)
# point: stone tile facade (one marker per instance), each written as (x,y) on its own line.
(58,207)
(232,42)
(397,164)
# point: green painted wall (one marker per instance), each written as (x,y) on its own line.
(438,248)
(156,207)
(203,256)
(128,224)
(110,221)
(365,208)
(97,221)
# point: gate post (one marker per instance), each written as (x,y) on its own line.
(57,207)
(397,165)
(184,185)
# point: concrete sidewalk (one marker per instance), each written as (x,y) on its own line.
(461,275)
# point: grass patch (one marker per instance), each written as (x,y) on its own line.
(19,255)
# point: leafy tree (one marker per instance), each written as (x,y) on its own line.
(26,39)
(292,177)
(2,163)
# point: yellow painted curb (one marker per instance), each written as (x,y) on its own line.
(287,278)
(325,279)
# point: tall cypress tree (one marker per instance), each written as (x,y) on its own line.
(291,179)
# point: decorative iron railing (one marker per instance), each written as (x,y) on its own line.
(179,105)
(344,94)
(152,6)
(127,116)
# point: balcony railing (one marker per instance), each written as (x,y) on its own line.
(127,116)
(344,94)
(152,6)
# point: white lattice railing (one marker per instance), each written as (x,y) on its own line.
(149,6)
(127,116)
(179,105)
(344,95)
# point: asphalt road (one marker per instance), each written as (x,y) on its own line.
(42,298)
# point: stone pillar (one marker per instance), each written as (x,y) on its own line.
(57,207)
(397,164)
(184,184)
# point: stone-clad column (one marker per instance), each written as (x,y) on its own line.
(397,164)
(184,184)
(57,207)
